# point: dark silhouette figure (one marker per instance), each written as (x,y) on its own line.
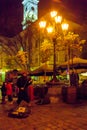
(3,92)
(74,79)
(23,83)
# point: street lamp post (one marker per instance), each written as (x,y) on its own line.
(52,29)
(54,64)
(65,27)
(56,20)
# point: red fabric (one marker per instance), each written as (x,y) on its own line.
(31,92)
(9,89)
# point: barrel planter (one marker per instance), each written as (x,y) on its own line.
(69,94)
(79,93)
(83,93)
(64,93)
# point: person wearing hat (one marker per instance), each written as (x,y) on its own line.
(22,83)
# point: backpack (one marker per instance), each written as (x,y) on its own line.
(21,111)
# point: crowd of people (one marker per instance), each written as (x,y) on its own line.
(16,85)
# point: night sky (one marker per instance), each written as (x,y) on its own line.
(11,13)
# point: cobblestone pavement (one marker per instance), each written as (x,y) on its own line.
(54,116)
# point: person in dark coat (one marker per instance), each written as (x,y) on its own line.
(3,92)
(74,79)
(23,83)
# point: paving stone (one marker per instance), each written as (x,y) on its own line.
(57,116)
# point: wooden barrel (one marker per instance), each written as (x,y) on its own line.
(69,94)
(83,93)
(64,93)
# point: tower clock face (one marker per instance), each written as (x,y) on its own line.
(30,10)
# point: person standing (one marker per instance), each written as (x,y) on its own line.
(3,92)
(9,91)
(22,83)
(74,79)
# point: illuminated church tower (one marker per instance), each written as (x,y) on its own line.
(30,14)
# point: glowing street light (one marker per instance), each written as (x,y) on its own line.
(50,29)
(53,14)
(57,20)
(65,26)
(42,24)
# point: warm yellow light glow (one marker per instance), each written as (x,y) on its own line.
(58,19)
(53,13)
(42,24)
(84,74)
(65,26)
(50,29)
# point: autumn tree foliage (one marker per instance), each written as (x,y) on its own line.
(45,50)
(71,43)
(22,57)
(12,48)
